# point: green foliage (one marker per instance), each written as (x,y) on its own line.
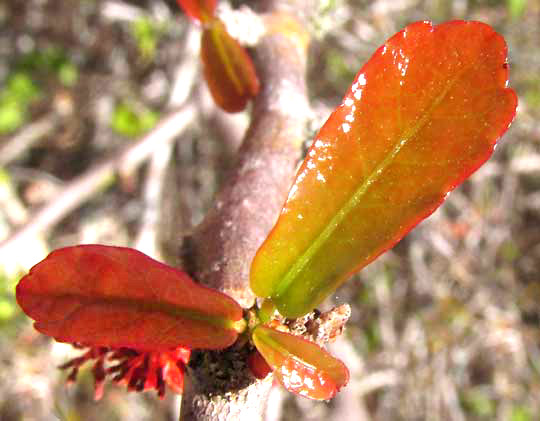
(15,98)
(50,61)
(146,33)
(324,18)
(8,306)
(520,413)
(21,88)
(339,72)
(510,251)
(532,92)
(516,8)
(130,122)
(68,74)
(478,403)
(372,337)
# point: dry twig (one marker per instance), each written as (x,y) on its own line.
(86,185)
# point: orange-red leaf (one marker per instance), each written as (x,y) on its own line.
(228,69)
(301,366)
(198,10)
(258,365)
(119,297)
(422,114)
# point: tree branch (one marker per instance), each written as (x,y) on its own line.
(86,185)
(220,251)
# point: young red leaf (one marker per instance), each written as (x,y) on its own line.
(422,114)
(301,366)
(119,297)
(258,365)
(228,69)
(198,10)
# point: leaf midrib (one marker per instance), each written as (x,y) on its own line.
(338,218)
(221,50)
(282,349)
(143,306)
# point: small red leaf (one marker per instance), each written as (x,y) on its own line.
(301,366)
(198,10)
(258,366)
(228,69)
(421,116)
(119,297)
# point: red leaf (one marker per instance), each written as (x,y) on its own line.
(198,10)
(118,297)
(422,115)
(228,69)
(258,366)
(301,366)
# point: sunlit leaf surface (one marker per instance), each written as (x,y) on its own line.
(422,114)
(119,297)
(302,367)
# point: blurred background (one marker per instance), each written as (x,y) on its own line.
(446,326)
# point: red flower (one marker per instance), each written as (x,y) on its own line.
(138,370)
(81,294)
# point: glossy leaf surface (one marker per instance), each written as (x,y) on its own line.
(198,10)
(422,114)
(228,69)
(301,366)
(119,297)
